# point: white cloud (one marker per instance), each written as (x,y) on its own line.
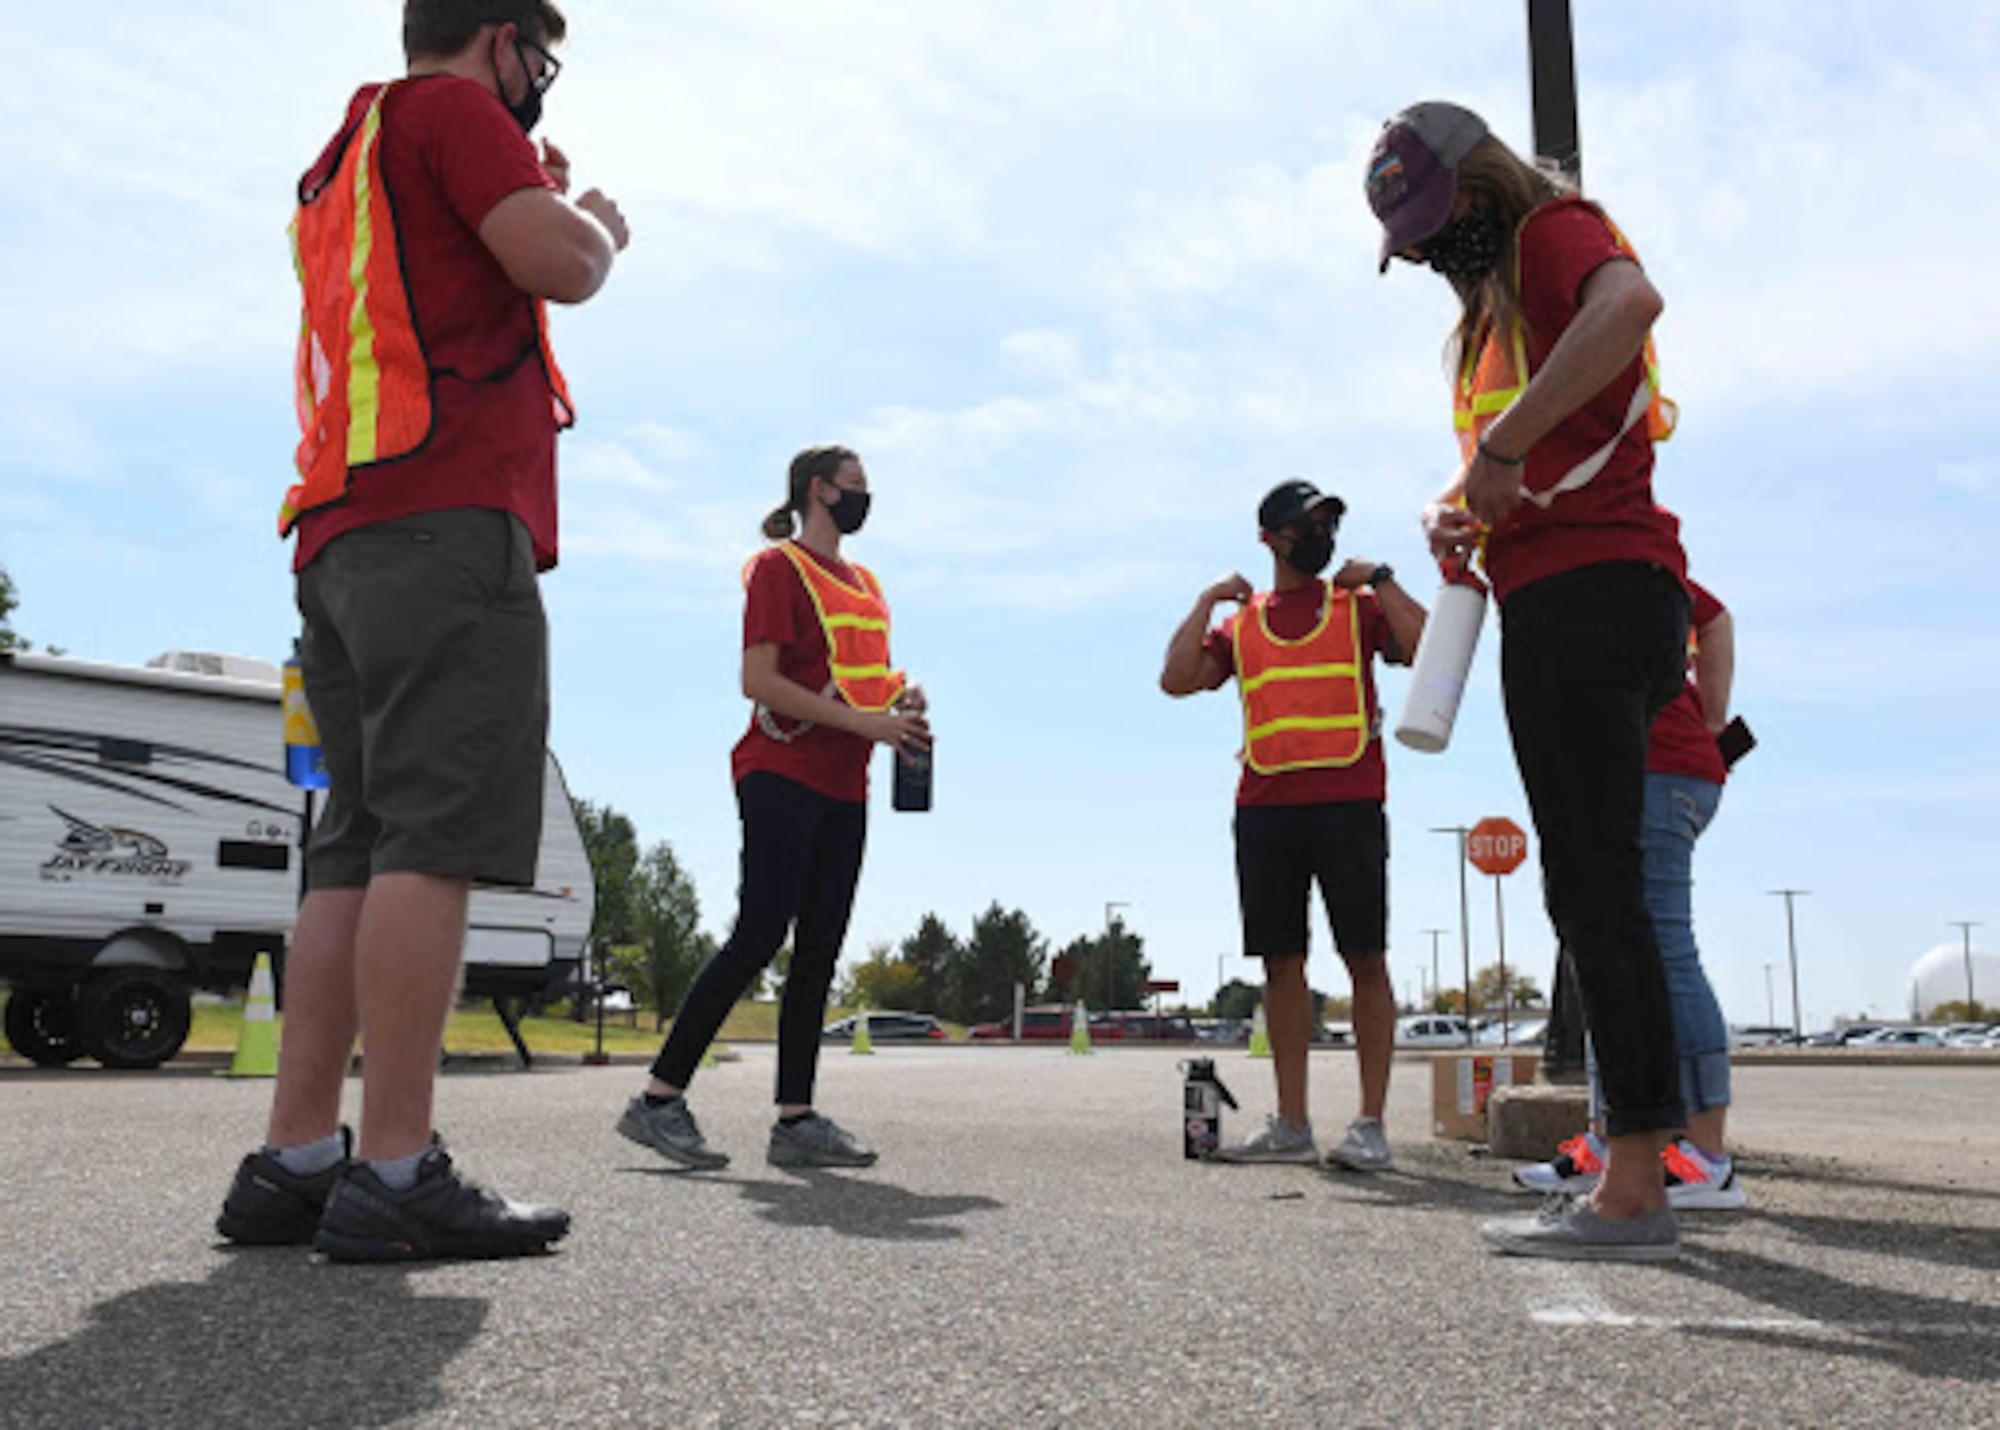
(1976,478)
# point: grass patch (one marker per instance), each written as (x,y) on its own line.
(216,1025)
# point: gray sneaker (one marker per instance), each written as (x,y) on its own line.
(669,1129)
(1568,1229)
(1365,1148)
(815,1141)
(1280,1141)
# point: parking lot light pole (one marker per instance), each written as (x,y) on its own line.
(1965,928)
(1110,951)
(1435,935)
(1459,831)
(1770,1002)
(1792,950)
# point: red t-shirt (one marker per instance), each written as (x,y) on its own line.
(1292,616)
(1681,744)
(778,610)
(1614,516)
(450,152)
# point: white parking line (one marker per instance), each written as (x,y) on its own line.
(1557,1295)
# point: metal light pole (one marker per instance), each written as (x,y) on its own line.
(1459,831)
(1435,935)
(1792,949)
(1110,952)
(1552,87)
(1965,928)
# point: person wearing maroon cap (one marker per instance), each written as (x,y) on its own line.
(1556,408)
(1309,802)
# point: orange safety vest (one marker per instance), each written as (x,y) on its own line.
(856,622)
(363,379)
(1305,705)
(1495,372)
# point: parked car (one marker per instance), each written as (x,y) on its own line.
(1521,1033)
(1900,1038)
(1432,1030)
(1221,1030)
(888,1028)
(1043,1023)
(1758,1036)
(1137,1027)
(1966,1035)
(1340,1035)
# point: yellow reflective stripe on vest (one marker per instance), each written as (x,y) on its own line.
(858,623)
(364,374)
(1305,722)
(1299,672)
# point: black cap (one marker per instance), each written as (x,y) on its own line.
(1288,503)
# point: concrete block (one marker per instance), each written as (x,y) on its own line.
(1526,1123)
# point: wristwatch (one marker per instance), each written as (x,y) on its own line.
(1384,572)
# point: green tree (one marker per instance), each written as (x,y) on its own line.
(1522,991)
(1087,959)
(671,945)
(883,981)
(930,953)
(1004,950)
(10,601)
(613,846)
(1237,999)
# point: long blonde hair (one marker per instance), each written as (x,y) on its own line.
(1493,173)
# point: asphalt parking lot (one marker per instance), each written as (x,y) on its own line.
(1031,1250)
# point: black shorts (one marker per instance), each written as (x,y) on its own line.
(425,656)
(1282,849)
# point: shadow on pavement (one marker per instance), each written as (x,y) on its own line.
(1424,1178)
(1924,1335)
(273,1337)
(858,1206)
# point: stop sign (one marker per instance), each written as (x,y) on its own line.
(1496,846)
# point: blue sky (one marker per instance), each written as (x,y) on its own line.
(1080,282)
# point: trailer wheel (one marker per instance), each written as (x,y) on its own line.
(133,1017)
(42,1027)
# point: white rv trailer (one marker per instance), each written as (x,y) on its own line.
(149,846)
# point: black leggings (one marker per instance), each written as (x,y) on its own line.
(801,860)
(1587,659)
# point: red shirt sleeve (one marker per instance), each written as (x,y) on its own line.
(1706,607)
(1570,243)
(472,146)
(1219,645)
(771,612)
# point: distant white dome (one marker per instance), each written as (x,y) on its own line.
(1939,977)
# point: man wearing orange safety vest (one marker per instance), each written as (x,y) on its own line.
(1309,802)
(429,235)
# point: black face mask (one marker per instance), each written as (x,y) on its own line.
(849,512)
(1311,550)
(1467,247)
(528,113)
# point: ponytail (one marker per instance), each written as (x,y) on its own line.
(813,464)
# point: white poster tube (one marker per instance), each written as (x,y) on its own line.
(1444,660)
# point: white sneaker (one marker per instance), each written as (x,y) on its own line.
(1280,1141)
(1576,1167)
(1697,1183)
(1365,1148)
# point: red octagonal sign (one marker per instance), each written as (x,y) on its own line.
(1496,846)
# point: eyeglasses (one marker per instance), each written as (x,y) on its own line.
(551,66)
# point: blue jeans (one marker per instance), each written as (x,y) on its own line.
(1677,809)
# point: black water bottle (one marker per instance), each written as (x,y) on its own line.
(912,789)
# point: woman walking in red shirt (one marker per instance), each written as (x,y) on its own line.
(816,668)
